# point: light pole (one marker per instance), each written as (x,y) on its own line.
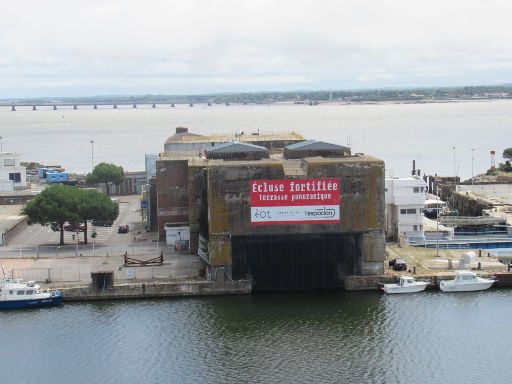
(472,162)
(92,155)
(1,144)
(454,171)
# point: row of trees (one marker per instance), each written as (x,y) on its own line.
(62,203)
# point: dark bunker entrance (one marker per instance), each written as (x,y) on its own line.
(298,261)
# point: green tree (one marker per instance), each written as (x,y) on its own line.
(92,204)
(53,204)
(507,153)
(106,173)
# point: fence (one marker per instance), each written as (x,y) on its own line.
(89,250)
(83,274)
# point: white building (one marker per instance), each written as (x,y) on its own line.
(12,175)
(405,201)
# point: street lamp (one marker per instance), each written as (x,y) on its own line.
(454,170)
(92,154)
(472,162)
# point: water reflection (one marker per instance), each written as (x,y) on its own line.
(306,337)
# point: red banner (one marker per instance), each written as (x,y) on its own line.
(295,201)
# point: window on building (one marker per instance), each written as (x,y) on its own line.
(9,162)
(16,177)
(415,228)
(403,211)
(411,211)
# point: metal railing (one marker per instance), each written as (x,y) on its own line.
(83,274)
(82,250)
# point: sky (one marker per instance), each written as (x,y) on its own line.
(106,47)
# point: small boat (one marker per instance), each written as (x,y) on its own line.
(19,294)
(465,281)
(406,284)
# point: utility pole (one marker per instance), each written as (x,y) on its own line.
(92,155)
(454,170)
(472,163)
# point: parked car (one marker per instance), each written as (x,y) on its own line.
(55,227)
(70,227)
(398,264)
(123,229)
(101,223)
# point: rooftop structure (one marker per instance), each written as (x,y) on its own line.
(310,148)
(185,141)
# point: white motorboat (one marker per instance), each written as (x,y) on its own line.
(465,281)
(406,284)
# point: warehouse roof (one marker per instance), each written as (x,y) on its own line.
(316,145)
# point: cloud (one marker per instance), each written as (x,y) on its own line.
(207,46)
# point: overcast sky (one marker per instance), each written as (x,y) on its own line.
(103,47)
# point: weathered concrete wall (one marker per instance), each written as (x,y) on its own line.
(374,248)
(198,215)
(172,193)
(361,206)
(468,204)
(159,289)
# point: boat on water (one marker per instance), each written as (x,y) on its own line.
(466,281)
(406,284)
(19,294)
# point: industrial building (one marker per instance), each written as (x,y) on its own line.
(405,202)
(288,213)
(13,176)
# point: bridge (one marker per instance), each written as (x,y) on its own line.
(114,105)
(92,105)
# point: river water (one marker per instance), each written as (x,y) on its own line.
(396,133)
(320,337)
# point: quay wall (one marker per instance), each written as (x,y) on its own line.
(158,289)
(469,204)
(371,283)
